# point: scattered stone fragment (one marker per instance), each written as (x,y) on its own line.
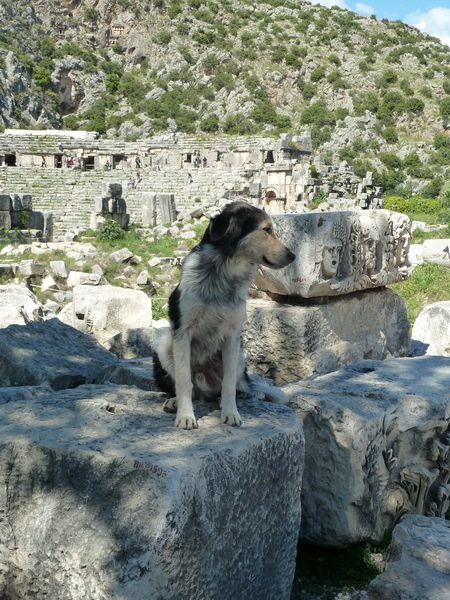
(18,306)
(419,564)
(29,268)
(142,278)
(432,327)
(58,268)
(81,278)
(122,255)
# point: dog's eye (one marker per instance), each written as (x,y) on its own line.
(268,230)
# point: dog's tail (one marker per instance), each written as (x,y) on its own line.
(263,386)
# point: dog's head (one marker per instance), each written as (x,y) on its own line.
(244,231)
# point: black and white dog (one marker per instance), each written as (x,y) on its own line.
(201,352)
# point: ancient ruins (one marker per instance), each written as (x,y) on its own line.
(65,172)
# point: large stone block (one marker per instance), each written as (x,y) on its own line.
(419,562)
(112,190)
(22,202)
(49,352)
(437,251)
(106,310)
(288,342)
(166,203)
(5,219)
(18,306)
(339,252)
(102,498)
(5,202)
(432,327)
(148,200)
(377,438)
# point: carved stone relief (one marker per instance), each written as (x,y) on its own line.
(340,252)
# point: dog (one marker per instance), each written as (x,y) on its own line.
(200,354)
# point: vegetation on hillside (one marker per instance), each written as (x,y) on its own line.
(200,66)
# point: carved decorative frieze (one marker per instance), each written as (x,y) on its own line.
(340,252)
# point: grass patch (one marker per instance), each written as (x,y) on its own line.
(428,283)
(343,570)
(419,236)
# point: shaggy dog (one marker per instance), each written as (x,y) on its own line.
(201,352)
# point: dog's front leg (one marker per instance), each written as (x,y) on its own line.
(230,356)
(185,418)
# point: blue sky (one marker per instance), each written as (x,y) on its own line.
(430,16)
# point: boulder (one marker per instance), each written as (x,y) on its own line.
(30,268)
(5,203)
(339,252)
(132,343)
(48,283)
(18,306)
(51,353)
(377,440)
(106,499)
(142,278)
(437,251)
(138,372)
(287,342)
(58,268)
(121,256)
(76,278)
(106,310)
(419,563)
(5,220)
(432,327)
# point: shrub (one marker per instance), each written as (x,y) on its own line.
(210,63)
(111,231)
(414,105)
(210,123)
(317,74)
(162,38)
(360,167)
(444,109)
(42,76)
(317,114)
(308,89)
(433,189)
(390,134)
(446,86)
(416,205)
(391,161)
(112,82)
(388,78)
(238,124)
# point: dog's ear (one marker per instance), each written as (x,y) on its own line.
(225,224)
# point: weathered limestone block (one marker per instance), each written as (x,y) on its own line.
(419,564)
(58,268)
(5,219)
(80,278)
(377,440)
(148,202)
(18,306)
(22,202)
(166,203)
(132,343)
(5,203)
(137,371)
(30,268)
(101,205)
(339,252)
(437,251)
(49,352)
(112,190)
(106,310)
(288,342)
(107,500)
(432,327)
(123,255)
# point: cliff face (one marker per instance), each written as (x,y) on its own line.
(363,86)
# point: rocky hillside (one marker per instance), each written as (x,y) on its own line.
(375,93)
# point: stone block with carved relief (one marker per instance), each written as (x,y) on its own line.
(339,252)
(377,438)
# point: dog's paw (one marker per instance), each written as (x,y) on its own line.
(232,418)
(170,405)
(186,421)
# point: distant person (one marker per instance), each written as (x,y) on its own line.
(138,163)
(205,161)
(190,178)
(108,165)
(44,162)
(132,183)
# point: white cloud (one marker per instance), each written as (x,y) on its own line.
(364,9)
(330,3)
(436,22)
